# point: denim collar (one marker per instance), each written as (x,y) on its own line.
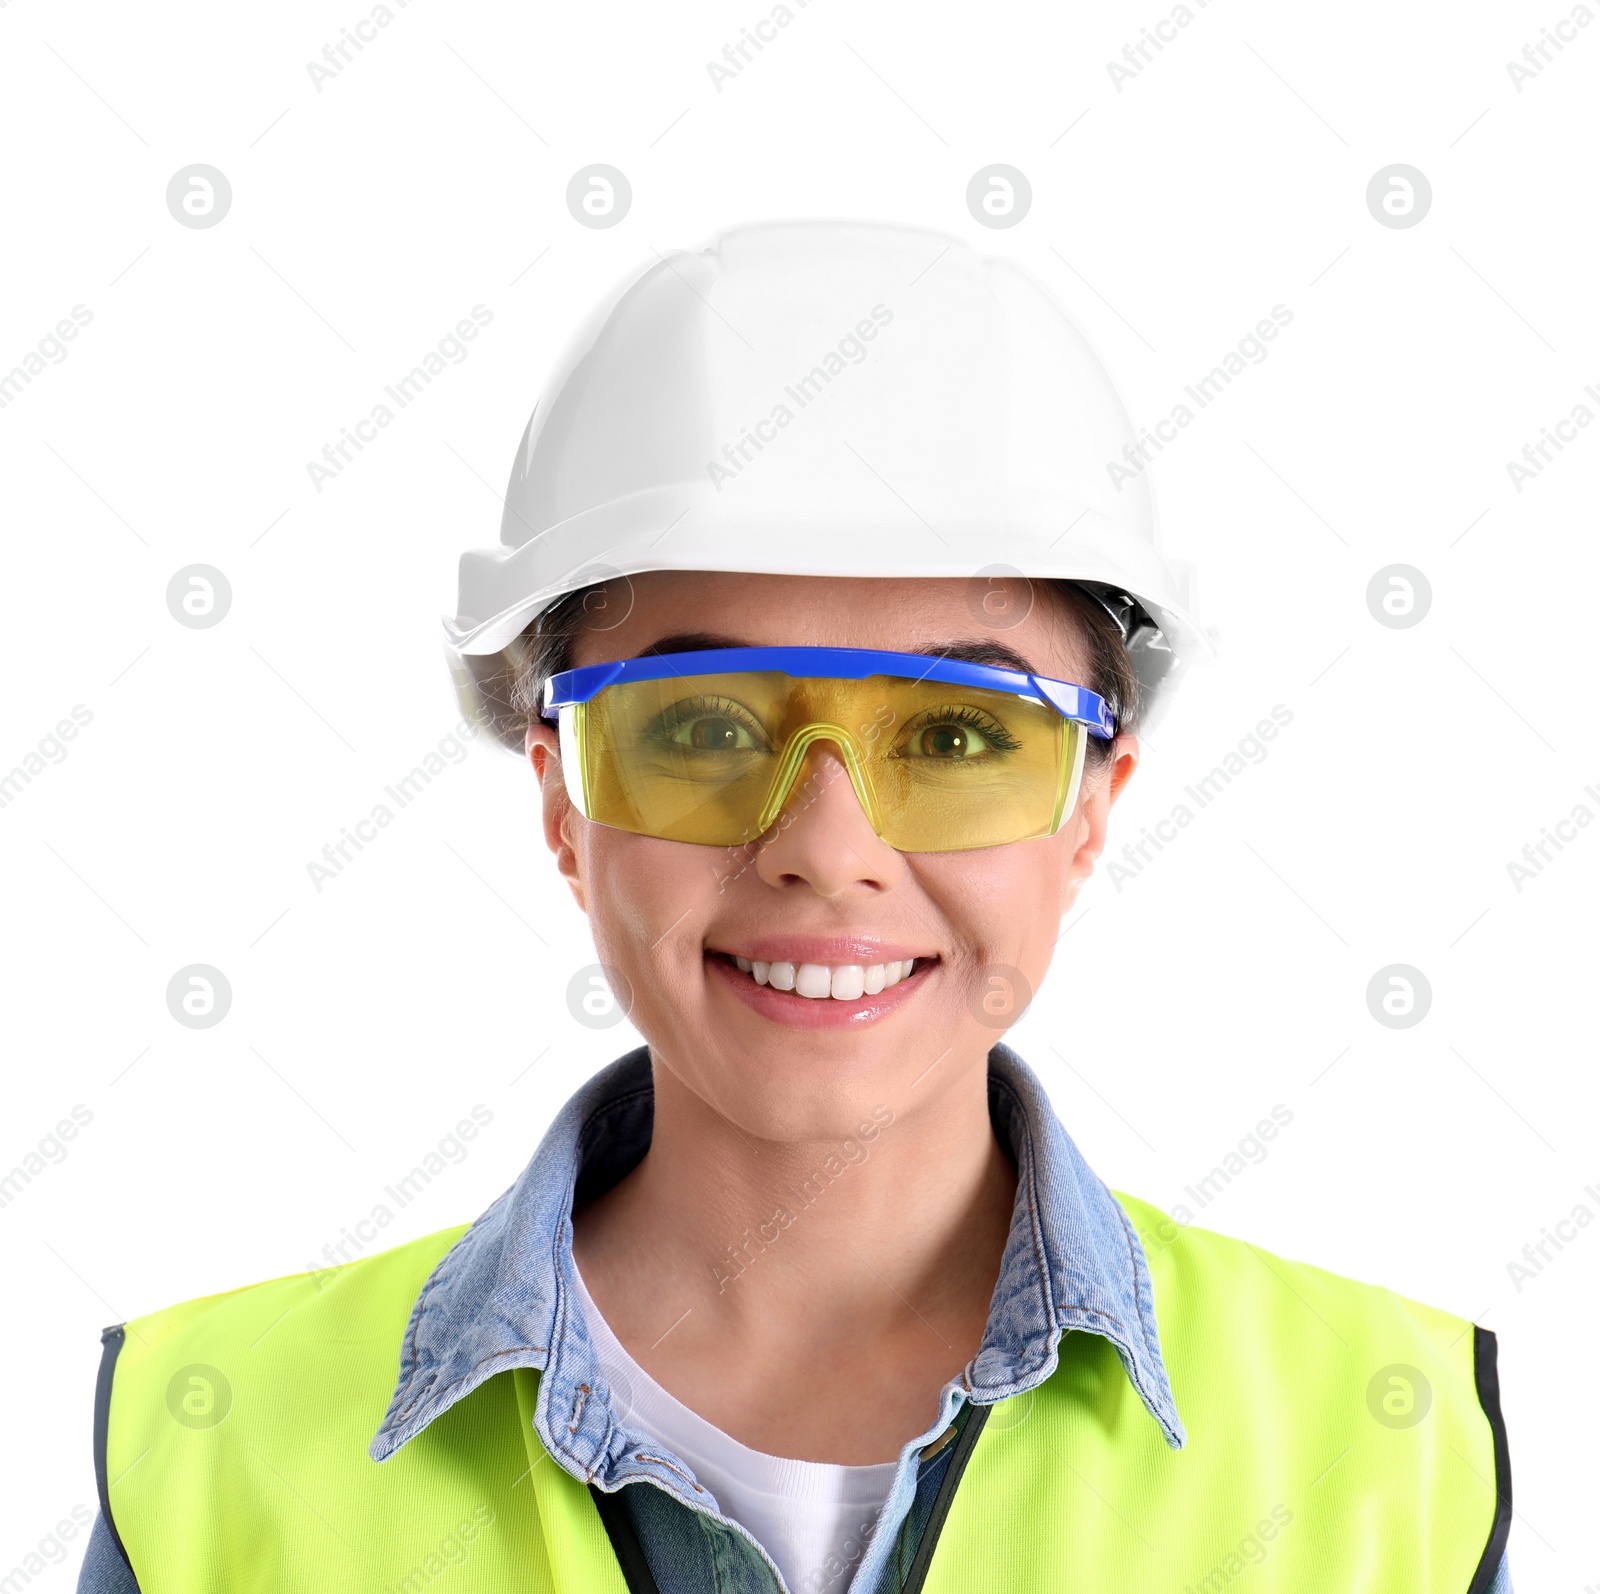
(505,1294)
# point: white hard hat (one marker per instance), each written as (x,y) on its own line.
(837,399)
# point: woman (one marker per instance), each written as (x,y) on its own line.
(814,1291)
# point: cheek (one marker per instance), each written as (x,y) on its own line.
(1001,904)
(649,900)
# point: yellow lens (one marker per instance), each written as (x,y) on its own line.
(959,767)
(686,759)
(716,759)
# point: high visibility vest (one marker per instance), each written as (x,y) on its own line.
(1340,1437)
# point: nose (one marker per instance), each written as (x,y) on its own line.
(822,835)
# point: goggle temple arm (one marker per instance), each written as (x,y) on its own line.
(1077,703)
(568,723)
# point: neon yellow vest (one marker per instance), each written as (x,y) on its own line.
(232,1434)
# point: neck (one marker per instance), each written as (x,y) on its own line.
(839,1250)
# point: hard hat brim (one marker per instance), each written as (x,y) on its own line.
(687,528)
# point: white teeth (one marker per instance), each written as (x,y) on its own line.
(813,979)
(848,982)
(844,982)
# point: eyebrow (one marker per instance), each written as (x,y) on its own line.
(968,651)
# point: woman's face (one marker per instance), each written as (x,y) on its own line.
(669,918)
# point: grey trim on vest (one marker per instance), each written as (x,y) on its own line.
(1485,1351)
(971,1424)
(625,1544)
(110,1344)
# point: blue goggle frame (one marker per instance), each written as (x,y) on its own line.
(1071,701)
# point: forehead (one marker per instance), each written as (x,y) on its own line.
(907,614)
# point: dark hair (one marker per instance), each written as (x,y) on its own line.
(510,683)
(1110,669)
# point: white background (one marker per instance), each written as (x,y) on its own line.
(1170,215)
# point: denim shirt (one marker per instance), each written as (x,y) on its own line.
(507,1289)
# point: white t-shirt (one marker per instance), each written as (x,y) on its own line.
(807,1515)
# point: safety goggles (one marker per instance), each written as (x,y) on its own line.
(707,747)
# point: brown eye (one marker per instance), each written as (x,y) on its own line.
(714,735)
(947,741)
(957,733)
(709,725)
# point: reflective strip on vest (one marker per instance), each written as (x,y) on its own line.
(1339,1436)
